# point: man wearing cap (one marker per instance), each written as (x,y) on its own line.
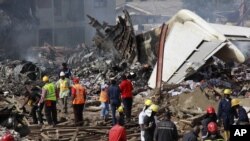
(142,115)
(117,132)
(166,129)
(225,113)
(126,88)
(48,96)
(78,101)
(63,86)
(239,113)
(66,70)
(213,134)
(149,122)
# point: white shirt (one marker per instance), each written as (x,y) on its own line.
(141,117)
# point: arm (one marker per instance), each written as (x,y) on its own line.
(73,93)
(219,111)
(43,95)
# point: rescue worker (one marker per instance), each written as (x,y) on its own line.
(117,132)
(149,122)
(104,99)
(147,104)
(225,113)
(126,88)
(239,113)
(213,134)
(114,99)
(121,114)
(192,135)
(209,117)
(48,96)
(32,98)
(66,70)
(78,101)
(63,86)
(166,129)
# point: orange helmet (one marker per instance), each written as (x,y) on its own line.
(212,127)
(210,110)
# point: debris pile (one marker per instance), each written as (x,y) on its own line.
(14,74)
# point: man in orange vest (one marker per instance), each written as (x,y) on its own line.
(104,99)
(78,100)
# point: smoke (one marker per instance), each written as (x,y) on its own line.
(17,27)
(244,47)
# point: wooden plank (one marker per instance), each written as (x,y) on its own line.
(75,135)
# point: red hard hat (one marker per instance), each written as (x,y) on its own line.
(210,110)
(76,80)
(7,137)
(212,127)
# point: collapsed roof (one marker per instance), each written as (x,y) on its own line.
(191,41)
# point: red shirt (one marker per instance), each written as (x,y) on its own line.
(126,88)
(117,133)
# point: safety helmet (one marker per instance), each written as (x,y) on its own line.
(212,127)
(62,73)
(210,110)
(45,78)
(120,109)
(154,108)
(148,102)
(7,137)
(227,91)
(235,102)
(76,80)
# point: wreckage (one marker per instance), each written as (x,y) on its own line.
(189,43)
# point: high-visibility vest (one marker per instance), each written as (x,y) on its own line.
(63,85)
(51,93)
(80,92)
(103,96)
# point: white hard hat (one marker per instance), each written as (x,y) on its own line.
(62,73)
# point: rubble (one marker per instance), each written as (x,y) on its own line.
(117,51)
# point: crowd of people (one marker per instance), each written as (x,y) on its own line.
(118,98)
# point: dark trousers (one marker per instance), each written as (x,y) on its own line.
(149,135)
(127,102)
(50,112)
(78,110)
(64,103)
(36,113)
(113,109)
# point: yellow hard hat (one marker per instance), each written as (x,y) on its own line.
(235,102)
(120,109)
(45,78)
(227,91)
(148,102)
(154,108)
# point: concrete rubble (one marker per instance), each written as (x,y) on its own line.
(118,50)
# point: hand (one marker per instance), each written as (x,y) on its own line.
(150,124)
